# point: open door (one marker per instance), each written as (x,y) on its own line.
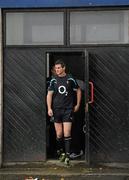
(76,61)
(109,114)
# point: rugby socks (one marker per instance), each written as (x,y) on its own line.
(59,145)
(67,141)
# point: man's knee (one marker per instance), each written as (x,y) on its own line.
(59,134)
(67,134)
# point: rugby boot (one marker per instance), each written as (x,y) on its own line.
(62,157)
(67,161)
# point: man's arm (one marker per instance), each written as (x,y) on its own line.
(79,95)
(49,103)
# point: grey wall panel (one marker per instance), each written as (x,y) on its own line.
(24,104)
(109,115)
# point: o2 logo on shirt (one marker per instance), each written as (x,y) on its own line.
(62,90)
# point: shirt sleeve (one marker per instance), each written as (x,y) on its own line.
(74,83)
(51,86)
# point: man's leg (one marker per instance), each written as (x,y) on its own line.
(59,137)
(67,137)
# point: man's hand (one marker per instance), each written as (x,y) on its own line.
(76,108)
(50,112)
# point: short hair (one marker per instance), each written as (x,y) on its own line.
(59,61)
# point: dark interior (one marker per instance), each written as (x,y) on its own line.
(75,63)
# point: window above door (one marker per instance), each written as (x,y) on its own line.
(34,28)
(99,27)
(62,27)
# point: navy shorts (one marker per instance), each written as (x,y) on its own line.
(63,115)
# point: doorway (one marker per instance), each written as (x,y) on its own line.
(76,64)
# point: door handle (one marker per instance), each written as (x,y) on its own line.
(92,92)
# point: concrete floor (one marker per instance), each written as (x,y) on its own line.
(55,170)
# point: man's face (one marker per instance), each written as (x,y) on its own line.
(59,70)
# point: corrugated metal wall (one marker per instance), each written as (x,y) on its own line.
(24,110)
(24,105)
(109,115)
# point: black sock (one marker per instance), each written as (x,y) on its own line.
(59,144)
(67,141)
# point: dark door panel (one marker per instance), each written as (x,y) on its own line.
(109,115)
(24,110)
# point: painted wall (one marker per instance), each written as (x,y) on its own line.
(60,3)
(1,82)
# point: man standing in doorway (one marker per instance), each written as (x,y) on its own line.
(60,103)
